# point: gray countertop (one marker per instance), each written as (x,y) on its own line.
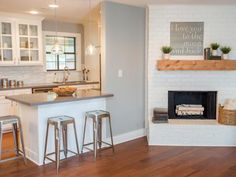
(51,98)
(40,85)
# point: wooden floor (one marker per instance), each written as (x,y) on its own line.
(136,159)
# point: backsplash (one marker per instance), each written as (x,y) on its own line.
(34,74)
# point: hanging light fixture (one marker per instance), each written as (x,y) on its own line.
(91,48)
(57,48)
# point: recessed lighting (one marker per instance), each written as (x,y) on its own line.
(34,12)
(53,5)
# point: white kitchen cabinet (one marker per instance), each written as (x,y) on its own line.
(8,107)
(7,42)
(29,43)
(20,40)
(87,86)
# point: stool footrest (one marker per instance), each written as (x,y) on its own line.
(61,152)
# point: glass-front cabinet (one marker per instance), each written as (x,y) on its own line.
(6,43)
(20,41)
(29,44)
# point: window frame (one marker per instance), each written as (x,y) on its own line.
(78,51)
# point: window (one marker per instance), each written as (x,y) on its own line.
(68,58)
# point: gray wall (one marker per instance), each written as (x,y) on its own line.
(123,29)
(49,25)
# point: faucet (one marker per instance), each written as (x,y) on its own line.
(66,74)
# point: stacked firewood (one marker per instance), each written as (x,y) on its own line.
(189,109)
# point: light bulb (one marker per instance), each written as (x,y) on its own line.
(90,50)
(57,49)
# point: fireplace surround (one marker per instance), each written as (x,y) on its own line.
(208,100)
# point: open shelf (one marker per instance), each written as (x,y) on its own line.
(200,65)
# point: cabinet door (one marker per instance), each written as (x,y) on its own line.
(29,43)
(7,42)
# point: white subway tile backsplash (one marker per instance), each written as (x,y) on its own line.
(34,74)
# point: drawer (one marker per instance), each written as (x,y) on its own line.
(23,91)
(6,93)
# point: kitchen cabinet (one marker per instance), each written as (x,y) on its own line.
(20,41)
(29,41)
(7,42)
(87,86)
(9,107)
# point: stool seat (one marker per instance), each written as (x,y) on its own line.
(9,119)
(97,114)
(61,120)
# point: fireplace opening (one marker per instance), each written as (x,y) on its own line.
(192,104)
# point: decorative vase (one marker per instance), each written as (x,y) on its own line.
(225,56)
(166,56)
(214,52)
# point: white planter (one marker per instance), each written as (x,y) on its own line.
(166,56)
(225,56)
(214,53)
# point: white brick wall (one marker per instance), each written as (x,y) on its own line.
(220,26)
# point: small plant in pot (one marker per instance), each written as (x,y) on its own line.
(225,52)
(166,50)
(214,48)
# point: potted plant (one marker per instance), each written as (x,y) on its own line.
(225,52)
(214,48)
(166,50)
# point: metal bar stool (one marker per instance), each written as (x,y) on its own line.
(16,123)
(97,117)
(60,124)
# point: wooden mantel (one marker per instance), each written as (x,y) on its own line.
(200,65)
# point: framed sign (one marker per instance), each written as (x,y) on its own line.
(186,38)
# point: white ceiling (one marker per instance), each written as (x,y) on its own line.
(76,10)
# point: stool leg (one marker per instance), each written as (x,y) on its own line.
(76,138)
(57,146)
(22,140)
(111,133)
(15,137)
(46,143)
(100,133)
(64,136)
(95,128)
(0,141)
(85,124)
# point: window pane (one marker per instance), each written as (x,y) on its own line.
(70,45)
(51,62)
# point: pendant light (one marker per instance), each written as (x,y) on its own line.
(91,48)
(57,48)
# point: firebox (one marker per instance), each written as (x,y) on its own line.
(192,104)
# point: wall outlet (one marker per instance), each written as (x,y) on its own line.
(120,73)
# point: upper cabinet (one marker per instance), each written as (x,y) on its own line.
(7,43)
(20,41)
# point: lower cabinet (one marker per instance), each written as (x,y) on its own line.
(88,86)
(8,107)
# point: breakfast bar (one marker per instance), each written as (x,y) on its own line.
(35,109)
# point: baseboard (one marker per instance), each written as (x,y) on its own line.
(129,136)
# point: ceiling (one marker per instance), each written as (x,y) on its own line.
(76,10)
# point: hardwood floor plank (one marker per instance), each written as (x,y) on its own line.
(136,159)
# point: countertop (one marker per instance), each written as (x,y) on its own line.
(41,85)
(51,98)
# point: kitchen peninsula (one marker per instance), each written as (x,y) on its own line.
(35,109)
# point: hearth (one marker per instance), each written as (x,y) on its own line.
(192,104)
